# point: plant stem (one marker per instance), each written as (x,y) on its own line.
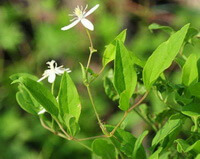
(95,111)
(67,137)
(84,145)
(52,88)
(45,126)
(91,48)
(89,60)
(98,74)
(145,120)
(138,103)
(126,113)
(62,129)
(90,39)
(93,137)
(51,130)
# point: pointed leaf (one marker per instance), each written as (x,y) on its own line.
(155,155)
(183,146)
(41,94)
(16,76)
(192,109)
(171,125)
(125,77)
(109,86)
(27,102)
(163,56)
(68,98)
(72,126)
(125,142)
(138,143)
(190,71)
(109,53)
(195,89)
(155,26)
(103,149)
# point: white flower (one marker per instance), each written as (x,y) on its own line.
(80,15)
(53,71)
(42,111)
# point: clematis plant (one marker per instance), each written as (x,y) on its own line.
(80,15)
(128,83)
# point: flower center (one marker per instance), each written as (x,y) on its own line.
(78,12)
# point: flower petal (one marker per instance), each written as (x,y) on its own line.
(42,111)
(71,25)
(42,78)
(87,24)
(91,10)
(52,77)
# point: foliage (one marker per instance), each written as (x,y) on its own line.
(64,109)
(151,99)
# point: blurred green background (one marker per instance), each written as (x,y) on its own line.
(30,35)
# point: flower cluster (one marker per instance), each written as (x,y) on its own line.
(80,15)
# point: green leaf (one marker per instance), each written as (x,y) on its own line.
(83,73)
(72,126)
(41,94)
(166,29)
(49,121)
(125,142)
(137,60)
(190,70)
(163,56)
(191,33)
(109,53)
(27,102)
(195,89)
(68,98)
(138,143)
(155,155)
(15,77)
(109,86)
(103,149)
(170,126)
(88,76)
(183,146)
(198,156)
(192,109)
(125,77)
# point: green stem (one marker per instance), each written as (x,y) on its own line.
(145,120)
(62,129)
(91,48)
(84,145)
(91,138)
(195,120)
(89,60)
(52,88)
(126,113)
(90,39)
(95,111)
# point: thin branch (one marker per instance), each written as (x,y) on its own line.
(93,137)
(46,127)
(62,129)
(146,121)
(126,113)
(95,111)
